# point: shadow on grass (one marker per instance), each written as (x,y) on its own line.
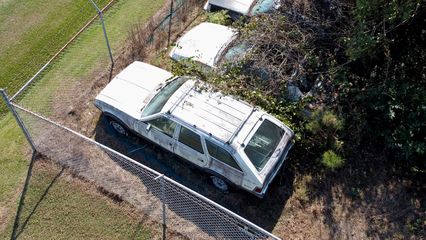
(19,227)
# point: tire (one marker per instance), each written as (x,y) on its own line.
(220,184)
(118,127)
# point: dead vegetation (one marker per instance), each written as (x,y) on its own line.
(294,47)
(148,39)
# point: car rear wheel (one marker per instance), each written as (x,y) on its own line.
(220,184)
(118,127)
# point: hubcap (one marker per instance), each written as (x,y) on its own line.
(219,183)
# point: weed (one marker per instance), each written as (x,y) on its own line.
(332,161)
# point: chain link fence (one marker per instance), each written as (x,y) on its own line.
(56,111)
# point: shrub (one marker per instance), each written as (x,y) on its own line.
(332,161)
(331,121)
(325,123)
(387,81)
(220,17)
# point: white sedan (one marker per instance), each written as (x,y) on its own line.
(209,44)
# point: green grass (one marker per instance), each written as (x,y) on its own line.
(89,52)
(13,163)
(33,31)
(13,168)
(72,211)
(28,30)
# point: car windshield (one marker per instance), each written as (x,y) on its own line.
(263,6)
(234,52)
(263,143)
(160,99)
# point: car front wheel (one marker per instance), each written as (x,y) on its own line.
(220,184)
(118,127)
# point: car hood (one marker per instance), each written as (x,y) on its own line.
(132,88)
(204,43)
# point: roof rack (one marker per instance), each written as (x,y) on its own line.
(241,126)
(181,98)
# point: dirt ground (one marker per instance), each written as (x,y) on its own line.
(364,203)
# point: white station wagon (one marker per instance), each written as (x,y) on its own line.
(236,143)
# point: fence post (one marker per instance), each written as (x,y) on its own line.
(163,202)
(18,120)
(104,30)
(170,22)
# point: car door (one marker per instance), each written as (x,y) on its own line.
(222,162)
(160,131)
(189,146)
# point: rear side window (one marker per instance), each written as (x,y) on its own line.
(165,125)
(221,154)
(190,139)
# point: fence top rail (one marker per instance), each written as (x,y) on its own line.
(150,170)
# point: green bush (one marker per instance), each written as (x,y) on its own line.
(331,121)
(386,84)
(373,21)
(220,17)
(332,161)
(325,123)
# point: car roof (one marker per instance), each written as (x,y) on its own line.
(240,6)
(216,114)
(203,43)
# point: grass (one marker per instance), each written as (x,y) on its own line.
(13,163)
(21,25)
(71,209)
(13,167)
(33,31)
(89,52)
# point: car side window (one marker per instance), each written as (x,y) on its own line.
(221,154)
(164,124)
(190,139)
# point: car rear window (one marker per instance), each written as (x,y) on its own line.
(263,143)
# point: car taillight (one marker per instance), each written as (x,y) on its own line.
(258,189)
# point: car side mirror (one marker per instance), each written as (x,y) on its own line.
(148,127)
